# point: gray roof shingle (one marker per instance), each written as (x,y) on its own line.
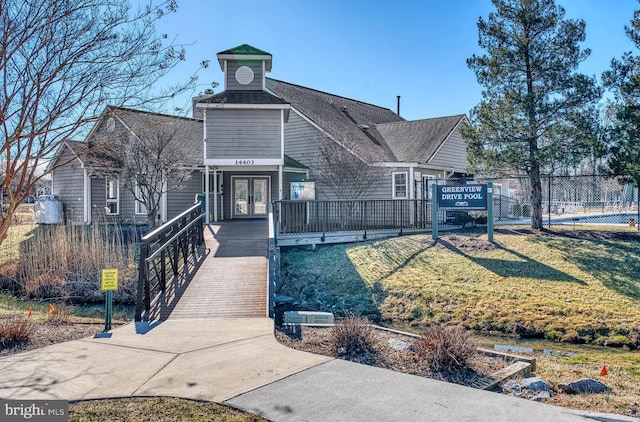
(242,97)
(348,121)
(418,140)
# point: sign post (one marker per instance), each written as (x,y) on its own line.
(109,284)
(434,213)
(490,211)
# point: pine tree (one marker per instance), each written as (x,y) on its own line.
(532,92)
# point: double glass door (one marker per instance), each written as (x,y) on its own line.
(250,196)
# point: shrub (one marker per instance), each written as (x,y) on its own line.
(441,347)
(354,334)
(15,331)
(462,219)
(61,314)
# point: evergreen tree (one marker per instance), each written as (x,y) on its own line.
(532,93)
(623,79)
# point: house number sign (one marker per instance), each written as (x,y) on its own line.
(245,162)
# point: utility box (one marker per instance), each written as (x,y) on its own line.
(308,318)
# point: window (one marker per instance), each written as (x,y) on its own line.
(140,207)
(400,185)
(113,196)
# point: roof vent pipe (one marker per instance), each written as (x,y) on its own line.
(398,105)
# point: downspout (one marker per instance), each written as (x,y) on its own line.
(206,195)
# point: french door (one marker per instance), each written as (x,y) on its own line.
(250,196)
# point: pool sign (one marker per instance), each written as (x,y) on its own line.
(462,197)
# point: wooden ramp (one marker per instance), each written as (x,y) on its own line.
(232,280)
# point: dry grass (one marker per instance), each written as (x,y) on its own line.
(65,262)
(145,409)
(15,331)
(441,347)
(353,334)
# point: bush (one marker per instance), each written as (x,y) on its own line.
(441,347)
(462,219)
(15,331)
(354,334)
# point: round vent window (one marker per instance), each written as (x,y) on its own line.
(111,125)
(244,75)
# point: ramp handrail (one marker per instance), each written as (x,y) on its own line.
(164,253)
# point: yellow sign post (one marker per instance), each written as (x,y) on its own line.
(109,284)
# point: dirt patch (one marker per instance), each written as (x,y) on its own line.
(465,244)
(317,340)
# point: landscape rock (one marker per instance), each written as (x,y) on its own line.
(535,384)
(532,388)
(398,344)
(584,385)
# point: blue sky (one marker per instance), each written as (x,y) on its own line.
(372,50)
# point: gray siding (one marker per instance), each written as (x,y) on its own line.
(301,139)
(258,75)
(453,153)
(179,199)
(243,134)
(68,186)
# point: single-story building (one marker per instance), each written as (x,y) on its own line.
(248,144)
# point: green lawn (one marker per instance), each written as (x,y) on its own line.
(540,285)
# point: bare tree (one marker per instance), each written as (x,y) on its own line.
(339,172)
(61,63)
(150,164)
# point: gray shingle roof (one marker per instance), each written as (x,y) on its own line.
(243,97)
(418,140)
(348,121)
(187,133)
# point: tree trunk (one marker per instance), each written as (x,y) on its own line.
(536,197)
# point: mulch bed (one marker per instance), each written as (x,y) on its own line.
(48,333)
(318,340)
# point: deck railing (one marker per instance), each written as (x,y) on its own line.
(166,254)
(299,217)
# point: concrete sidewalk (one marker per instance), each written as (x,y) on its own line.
(238,362)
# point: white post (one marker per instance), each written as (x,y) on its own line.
(206,195)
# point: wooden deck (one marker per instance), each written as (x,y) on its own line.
(230,283)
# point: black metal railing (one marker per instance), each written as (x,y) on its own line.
(298,217)
(165,255)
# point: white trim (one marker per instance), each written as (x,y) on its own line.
(280,179)
(264,74)
(206,196)
(245,106)
(224,70)
(393,185)
(245,163)
(411,184)
(204,135)
(282,135)
(112,200)
(137,203)
(86,193)
(164,200)
(239,57)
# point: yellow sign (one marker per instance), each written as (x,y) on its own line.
(110,279)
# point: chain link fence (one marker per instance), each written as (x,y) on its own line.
(580,202)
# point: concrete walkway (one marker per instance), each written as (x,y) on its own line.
(238,362)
